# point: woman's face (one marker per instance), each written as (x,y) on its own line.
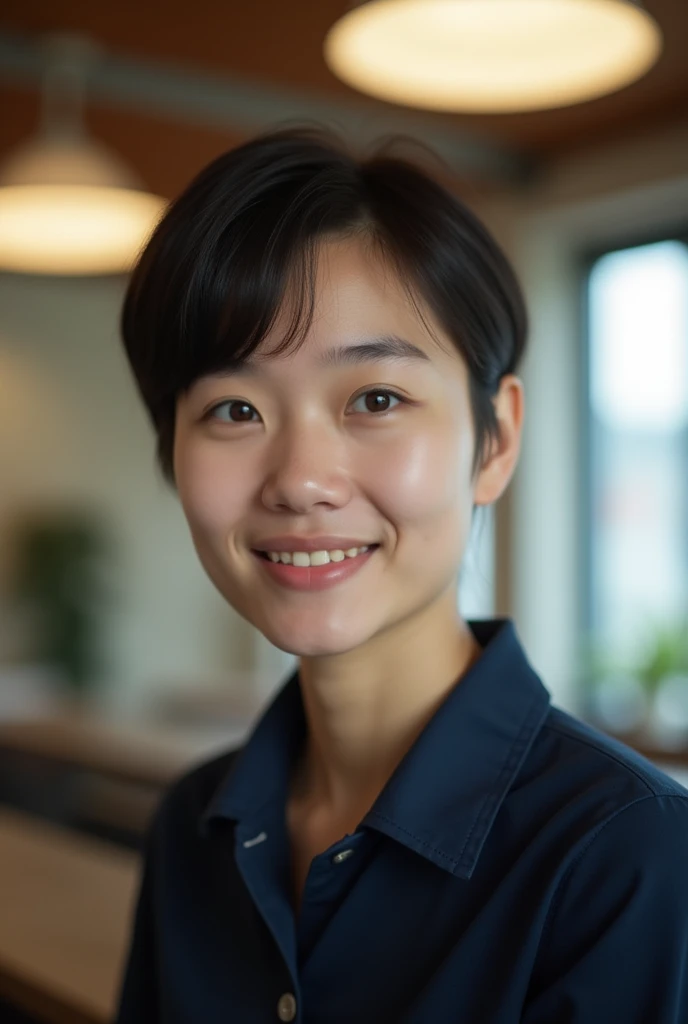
(297,447)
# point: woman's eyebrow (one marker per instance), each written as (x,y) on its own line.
(388,346)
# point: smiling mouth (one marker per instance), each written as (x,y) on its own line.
(346,557)
(315,577)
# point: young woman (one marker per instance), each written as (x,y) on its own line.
(412,833)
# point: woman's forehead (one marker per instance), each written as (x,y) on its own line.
(333,354)
(359,302)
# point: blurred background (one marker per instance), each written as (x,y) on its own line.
(119,663)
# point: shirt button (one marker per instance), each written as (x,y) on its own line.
(286,1007)
(339,857)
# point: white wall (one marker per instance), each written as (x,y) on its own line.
(72,430)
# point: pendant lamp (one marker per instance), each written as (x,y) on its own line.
(492,56)
(68,204)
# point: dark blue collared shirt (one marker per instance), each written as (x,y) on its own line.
(519,866)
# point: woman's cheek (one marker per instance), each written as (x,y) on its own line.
(422,477)
(210,490)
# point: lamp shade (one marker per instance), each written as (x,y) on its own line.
(68,205)
(492,56)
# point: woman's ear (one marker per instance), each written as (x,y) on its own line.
(494,476)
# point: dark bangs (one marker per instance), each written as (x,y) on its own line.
(212,280)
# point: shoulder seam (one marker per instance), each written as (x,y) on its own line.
(596,832)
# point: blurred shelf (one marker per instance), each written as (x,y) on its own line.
(98,776)
(146,753)
(664,755)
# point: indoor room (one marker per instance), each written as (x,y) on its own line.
(124,664)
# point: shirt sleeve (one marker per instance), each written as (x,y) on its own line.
(616,948)
(138,1001)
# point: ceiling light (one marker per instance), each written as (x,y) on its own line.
(492,56)
(68,204)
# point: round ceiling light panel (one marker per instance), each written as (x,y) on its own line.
(492,56)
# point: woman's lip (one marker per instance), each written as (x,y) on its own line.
(324,543)
(315,577)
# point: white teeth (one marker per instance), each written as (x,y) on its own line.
(304,559)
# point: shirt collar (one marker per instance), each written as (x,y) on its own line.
(444,795)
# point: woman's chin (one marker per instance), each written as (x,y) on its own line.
(309,644)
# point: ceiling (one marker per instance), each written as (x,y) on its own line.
(276,47)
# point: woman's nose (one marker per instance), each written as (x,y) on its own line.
(307,468)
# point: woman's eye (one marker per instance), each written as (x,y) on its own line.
(234,411)
(377,400)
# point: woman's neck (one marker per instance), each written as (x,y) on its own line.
(366,709)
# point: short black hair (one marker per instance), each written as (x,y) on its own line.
(210,282)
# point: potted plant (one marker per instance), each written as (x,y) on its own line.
(614,696)
(664,674)
(58,580)
(646,694)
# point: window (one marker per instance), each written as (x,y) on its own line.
(637,377)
